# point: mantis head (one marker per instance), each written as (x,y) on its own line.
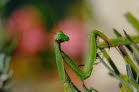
(61,37)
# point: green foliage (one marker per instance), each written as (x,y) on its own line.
(130,81)
(132,20)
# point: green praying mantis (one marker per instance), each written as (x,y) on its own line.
(91,57)
(84,73)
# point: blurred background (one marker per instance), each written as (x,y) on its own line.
(31,25)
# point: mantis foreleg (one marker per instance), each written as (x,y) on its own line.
(68,85)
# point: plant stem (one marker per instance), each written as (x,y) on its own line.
(122,40)
(117,76)
(106,55)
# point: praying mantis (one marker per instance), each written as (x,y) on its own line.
(61,57)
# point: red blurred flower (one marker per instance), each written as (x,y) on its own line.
(27,25)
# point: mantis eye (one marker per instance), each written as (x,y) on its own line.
(61,37)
